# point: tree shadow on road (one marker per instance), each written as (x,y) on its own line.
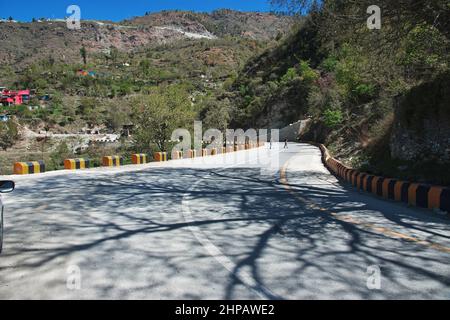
(336,250)
(128,230)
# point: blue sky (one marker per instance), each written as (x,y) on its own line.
(116,10)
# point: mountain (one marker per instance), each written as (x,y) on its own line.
(29,42)
(224,22)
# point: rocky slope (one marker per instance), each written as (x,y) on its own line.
(28,42)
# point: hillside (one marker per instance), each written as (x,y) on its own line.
(253,25)
(95,77)
(30,42)
(377,99)
(237,69)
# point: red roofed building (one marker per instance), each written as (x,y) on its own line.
(8,97)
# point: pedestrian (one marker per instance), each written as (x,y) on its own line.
(286,143)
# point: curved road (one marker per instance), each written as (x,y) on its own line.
(223,227)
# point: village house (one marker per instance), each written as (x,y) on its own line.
(5,117)
(10,97)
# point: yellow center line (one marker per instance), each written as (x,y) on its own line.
(349,219)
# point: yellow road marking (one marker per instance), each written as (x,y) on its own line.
(381,230)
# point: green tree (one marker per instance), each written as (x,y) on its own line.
(116,115)
(114,54)
(216,114)
(83,53)
(9,134)
(58,156)
(157,115)
(332,118)
(145,67)
(90,111)
(290,75)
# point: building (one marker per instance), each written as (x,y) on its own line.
(5,117)
(9,97)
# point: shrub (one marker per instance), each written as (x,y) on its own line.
(58,156)
(332,118)
(290,75)
(307,73)
(329,64)
(364,90)
(8,134)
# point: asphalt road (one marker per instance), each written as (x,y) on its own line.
(218,228)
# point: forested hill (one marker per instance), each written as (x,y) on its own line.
(378,98)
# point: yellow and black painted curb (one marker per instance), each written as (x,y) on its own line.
(192,154)
(249,146)
(77,164)
(136,159)
(160,156)
(414,194)
(139,158)
(239,147)
(112,161)
(177,155)
(29,167)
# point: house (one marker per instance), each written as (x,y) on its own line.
(85,73)
(5,117)
(45,97)
(25,94)
(9,97)
(82,72)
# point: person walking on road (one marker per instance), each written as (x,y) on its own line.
(286,143)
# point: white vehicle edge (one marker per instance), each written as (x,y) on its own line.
(5,187)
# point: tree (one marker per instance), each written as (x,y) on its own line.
(332,118)
(157,115)
(116,116)
(90,111)
(83,54)
(216,114)
(58,156)
(8,134)
(114,54)
(145,66)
